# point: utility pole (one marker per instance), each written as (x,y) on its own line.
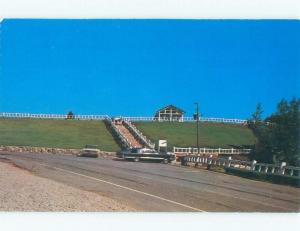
(197,118)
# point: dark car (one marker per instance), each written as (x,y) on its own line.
(137,154)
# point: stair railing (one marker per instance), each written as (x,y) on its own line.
(138,134)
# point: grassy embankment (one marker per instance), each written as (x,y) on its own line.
(55,133)
(214,135)
(76,134)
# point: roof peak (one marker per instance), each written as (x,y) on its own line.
(171,105)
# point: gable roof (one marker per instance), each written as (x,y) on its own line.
(171,106)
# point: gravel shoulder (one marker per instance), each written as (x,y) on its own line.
(20,190)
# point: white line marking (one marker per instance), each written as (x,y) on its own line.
(124,187)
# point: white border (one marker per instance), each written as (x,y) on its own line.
(196,9)
(148,221)
(180,9)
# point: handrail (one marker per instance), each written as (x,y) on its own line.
(139,134)
(123,139)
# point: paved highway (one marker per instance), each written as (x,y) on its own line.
(160,187)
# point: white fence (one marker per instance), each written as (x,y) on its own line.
(223,151)
(188,119)
(102,117)
(253,166)
(52,116)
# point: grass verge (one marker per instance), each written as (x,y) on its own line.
(184,134)
(55,133)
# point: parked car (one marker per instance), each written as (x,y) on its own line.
(89,151)
(137,154)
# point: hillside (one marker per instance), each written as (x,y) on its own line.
(210,134)
(55,133)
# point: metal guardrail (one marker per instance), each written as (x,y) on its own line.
(137,133)
(223,151)
(124,141)
(252,166)
(52,116)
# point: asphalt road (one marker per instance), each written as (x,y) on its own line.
(161,187)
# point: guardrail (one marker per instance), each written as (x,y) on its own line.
(124,141)
(137,133)
(252,166)
(52,116)
(187,119)
(223,151)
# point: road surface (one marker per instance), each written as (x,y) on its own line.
(161,187)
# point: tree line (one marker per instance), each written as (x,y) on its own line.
(278,134)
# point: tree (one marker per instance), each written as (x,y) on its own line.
(257,115)
(286,131)
(278,135)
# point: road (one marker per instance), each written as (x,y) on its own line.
(160,187)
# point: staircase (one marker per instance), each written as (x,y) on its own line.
(127,135)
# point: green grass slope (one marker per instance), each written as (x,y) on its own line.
(55,133)
(210,134)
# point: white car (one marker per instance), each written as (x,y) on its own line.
(89,151)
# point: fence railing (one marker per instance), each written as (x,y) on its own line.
(103,117)
(139,134)
(186,119)
(223,151)
(52,116)
(253,166)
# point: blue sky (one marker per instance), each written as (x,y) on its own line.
(133,67)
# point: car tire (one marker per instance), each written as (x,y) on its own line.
(136,159)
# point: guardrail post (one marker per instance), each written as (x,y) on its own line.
(266,169)
(229,161)
(253,163)
(273,169)
(210,159)
(259,168)
(282,167)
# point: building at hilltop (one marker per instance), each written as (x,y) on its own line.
(169,113)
